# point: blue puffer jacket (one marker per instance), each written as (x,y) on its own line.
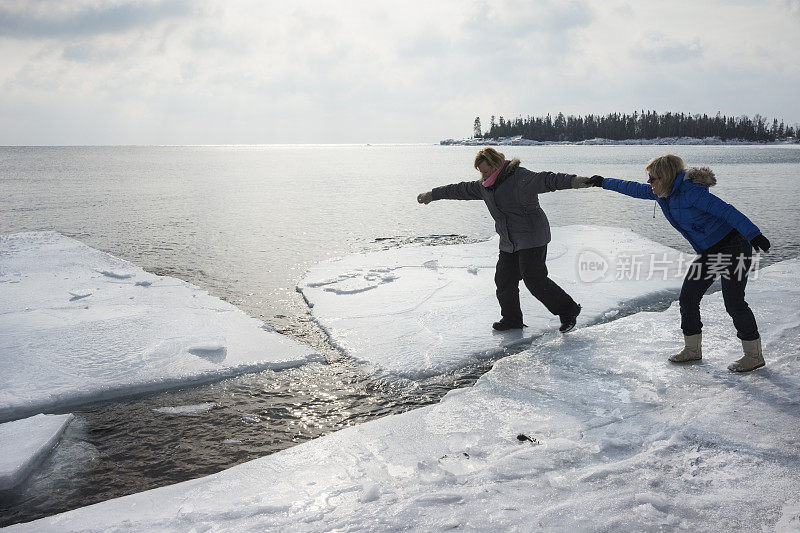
(700,216)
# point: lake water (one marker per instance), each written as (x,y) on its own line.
(244,223)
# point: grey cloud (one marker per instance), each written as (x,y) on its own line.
(566,16)
(623,10)
(528,32)
(518,19)
(209,38)
(46,19)
(426,44)
(85,53)
(656,47)
(750,3)
(304,22)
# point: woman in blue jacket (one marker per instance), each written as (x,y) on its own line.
(719,233)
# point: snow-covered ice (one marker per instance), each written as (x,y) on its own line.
(618,439)
(25,444)
(79,324)
(421,310)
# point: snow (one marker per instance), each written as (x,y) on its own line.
(617,439)
(80,325)
(26,443)
(418,311)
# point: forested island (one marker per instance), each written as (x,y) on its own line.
(637,128)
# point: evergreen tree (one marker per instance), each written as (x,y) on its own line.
(476,127)
(560,126)
(639,125)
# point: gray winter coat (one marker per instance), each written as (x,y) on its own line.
(514,203)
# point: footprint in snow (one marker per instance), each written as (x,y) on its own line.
(115,274)
(79,294)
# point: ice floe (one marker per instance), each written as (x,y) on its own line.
(79,325)
(250,418)
(195,409)
(26,443)
(421,310)
(590,431)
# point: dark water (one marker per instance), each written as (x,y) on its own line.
(245,222)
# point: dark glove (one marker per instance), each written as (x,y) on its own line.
(760,243)
(425,198)
(596,181)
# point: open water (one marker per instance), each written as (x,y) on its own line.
(245,222)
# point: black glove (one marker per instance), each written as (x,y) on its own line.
(596,181)
(760,243)
(425,198)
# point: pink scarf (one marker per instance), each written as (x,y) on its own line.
(488,182)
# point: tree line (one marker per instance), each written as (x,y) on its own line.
(644,125)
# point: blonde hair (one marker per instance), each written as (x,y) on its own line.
(490,156)
(666,168)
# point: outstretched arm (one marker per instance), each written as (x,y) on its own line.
(541,182)
(633,189)
(466,190)
(530,184)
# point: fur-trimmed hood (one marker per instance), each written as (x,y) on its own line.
(508,170)
(701,176)
(512,166)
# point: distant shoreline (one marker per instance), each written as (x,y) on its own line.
(519,141)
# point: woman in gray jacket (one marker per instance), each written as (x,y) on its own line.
(511,194)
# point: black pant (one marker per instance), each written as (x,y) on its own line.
(528,265)
(730,258)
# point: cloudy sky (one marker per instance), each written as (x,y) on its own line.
(217,72)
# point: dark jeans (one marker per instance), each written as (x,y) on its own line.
(528,265)
(730,258)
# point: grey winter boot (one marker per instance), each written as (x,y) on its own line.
(691,351)
(751,359)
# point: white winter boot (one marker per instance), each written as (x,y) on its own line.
(691,351)
(752,358)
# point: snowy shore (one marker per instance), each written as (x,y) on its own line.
(594,430)
(519,141)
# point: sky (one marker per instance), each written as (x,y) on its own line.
(375,71)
